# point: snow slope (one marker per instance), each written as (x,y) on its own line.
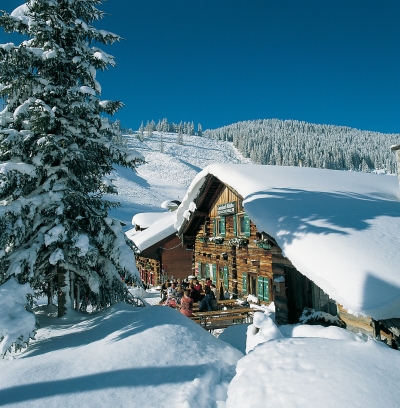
(165,175)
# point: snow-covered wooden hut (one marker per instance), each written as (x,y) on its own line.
(300,237)
(161,254)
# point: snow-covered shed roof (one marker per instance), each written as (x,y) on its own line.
(162,227)
(146,220)
(340,229)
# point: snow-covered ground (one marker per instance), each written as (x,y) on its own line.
(156,357)
(122,357)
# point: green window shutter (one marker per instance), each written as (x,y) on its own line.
(214,273)
(206,271)
(260,288)
(222,225)
(244,283)
(266,290)
(246,225)
(215,227)
(226,282)
(235,232)
(199,269)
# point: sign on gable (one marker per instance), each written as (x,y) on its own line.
(227,208)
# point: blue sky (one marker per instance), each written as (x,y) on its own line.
(218,62)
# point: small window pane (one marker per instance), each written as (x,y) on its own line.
(241,225)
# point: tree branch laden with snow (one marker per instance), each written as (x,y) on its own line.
(55,153)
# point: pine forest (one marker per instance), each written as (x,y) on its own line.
(294,143)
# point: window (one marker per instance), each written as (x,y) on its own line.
(263,288)
(203,270)
(219,227)
(242,225)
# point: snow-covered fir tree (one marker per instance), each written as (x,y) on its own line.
(179,139)
(56,155)
(185,128)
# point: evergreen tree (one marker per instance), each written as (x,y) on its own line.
(141,132)
(149,129)
(179,139)
(56,155)
(162,144)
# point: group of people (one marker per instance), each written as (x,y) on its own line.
(183,293)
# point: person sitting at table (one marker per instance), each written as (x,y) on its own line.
(186,304)
(171,302)
(208,282)
(197,286)
(185,284)
(179,294)
(215,291)
(172,290)
(194,294)
(208,303)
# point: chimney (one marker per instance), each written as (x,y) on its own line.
(396,148)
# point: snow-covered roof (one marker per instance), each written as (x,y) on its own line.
(146,220)
(161,227)
(340,229)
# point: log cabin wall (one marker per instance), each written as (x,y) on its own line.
(237,257)
(164,260)
(149,268)
(176,259)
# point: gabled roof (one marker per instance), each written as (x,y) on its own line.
(341,229)
(160,229)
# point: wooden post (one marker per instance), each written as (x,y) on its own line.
(376,329)
(61,293)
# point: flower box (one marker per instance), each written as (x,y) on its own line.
(239,242)
(217,240)
(262,244)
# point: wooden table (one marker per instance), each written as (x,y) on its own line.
(220,319)
(221,303)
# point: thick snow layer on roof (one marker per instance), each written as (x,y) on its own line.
(161,228)
(340,229)
(145,220)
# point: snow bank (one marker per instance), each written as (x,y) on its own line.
(124,356)
(316,372)
(16,323)
(263,329)
(338,228)
(331,332)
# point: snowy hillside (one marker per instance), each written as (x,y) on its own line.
(167,173)
(294,143)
